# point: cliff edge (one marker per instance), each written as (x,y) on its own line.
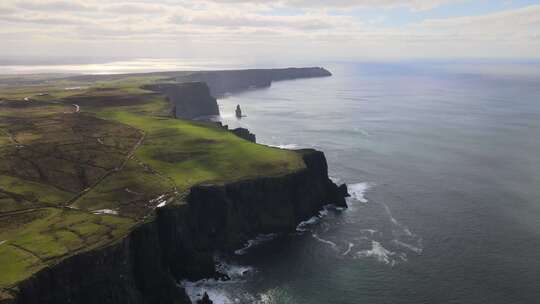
(189,100)
(232,81)
(179,242)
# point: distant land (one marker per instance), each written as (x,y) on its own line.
(111,192)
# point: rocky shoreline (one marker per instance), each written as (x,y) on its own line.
(180,241)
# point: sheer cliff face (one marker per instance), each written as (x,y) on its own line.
(180,241)
(222,82)
(223,217)
(189,100)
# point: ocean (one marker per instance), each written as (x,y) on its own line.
(442,160)
(443,165)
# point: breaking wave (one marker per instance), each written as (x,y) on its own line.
(327,242)
(377,252)
(358,191)
(217,289)
(254,242)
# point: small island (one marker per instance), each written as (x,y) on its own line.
(111,192)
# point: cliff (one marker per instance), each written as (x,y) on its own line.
(180,240)
(189,100)
(222,82)
(245,134)
(128,271)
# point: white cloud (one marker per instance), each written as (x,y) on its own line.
(170,27)
(411,4)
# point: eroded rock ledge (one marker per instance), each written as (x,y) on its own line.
(180,241)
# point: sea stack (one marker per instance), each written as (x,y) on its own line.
(238,111)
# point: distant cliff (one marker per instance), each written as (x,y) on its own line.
(193,94)
(222,82)
(189,100)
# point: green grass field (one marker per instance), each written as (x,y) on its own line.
(33,239)
(60,171)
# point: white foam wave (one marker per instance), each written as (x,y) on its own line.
(254,242)
(378,252)
(302,227)
(417,250)
(323,213)
(195,291)
(330,243)
(218,289)
(358,191)
(403,228)
(335,180)
(234,271)
(351,245)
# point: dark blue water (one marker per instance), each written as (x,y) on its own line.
(444,169)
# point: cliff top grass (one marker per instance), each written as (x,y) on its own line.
(83,161)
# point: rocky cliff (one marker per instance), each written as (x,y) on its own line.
(128,271)
(189,100)
(222,82)
(180,240)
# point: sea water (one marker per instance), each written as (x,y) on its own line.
(443,166)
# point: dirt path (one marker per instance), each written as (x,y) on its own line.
(27,251)
(104,176)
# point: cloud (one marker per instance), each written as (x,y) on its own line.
(309,27)
(417,5)
(51,5)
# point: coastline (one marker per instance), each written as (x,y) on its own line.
(181,240)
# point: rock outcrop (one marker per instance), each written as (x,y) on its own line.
(189,100)
(180,241)
(245,134)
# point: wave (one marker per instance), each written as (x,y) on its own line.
(332,244)
(417,250)
(378,252)
(302,227)
(403,228)
(195,291)
(358,191)
(254,242)
(233,271)
(218,289)
(351,245)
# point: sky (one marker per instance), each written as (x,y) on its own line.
(270,29)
